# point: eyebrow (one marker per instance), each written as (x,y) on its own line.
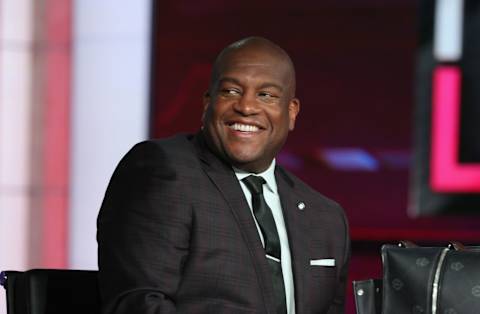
(264,85)
(228,80)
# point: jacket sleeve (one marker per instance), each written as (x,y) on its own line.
(143,234)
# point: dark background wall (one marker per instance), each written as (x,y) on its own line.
(355,64)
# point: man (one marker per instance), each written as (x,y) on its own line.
(208,223)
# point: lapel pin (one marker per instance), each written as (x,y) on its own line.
(301,205)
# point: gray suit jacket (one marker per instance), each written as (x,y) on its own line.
(175,235)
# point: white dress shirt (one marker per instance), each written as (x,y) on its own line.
(273,200)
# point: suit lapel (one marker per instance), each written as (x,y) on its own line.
(226,182)
(297,230)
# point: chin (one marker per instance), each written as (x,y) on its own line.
(242,157)
(249,163)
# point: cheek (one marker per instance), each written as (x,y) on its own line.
(211,115)
(218,111)
(283,121)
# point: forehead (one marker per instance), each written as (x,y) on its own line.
(255,64)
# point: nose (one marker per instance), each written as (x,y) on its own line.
(246,105)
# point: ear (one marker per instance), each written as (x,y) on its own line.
(293,109)
(206,104)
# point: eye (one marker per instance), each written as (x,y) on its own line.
(230,92)
(267,96)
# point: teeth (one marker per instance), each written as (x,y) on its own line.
(244,127)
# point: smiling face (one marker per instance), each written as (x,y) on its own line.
(250,106)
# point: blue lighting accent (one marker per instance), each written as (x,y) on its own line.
(348,159)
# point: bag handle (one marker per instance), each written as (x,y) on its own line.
(406,244)
(452,245)
(455,245)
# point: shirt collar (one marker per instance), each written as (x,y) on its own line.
(268,175)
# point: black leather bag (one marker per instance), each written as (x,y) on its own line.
(437,280)
(368,296)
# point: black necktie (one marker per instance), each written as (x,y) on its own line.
(264,217)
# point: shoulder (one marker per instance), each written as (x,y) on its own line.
(177,148)
(158,157)
(174,145)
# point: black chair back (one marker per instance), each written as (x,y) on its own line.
(51,291)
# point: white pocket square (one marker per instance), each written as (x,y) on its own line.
(329,262)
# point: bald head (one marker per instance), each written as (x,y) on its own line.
(250,106)
(256,49)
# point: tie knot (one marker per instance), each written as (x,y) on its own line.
(254,184)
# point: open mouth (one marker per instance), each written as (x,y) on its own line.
(244,127)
